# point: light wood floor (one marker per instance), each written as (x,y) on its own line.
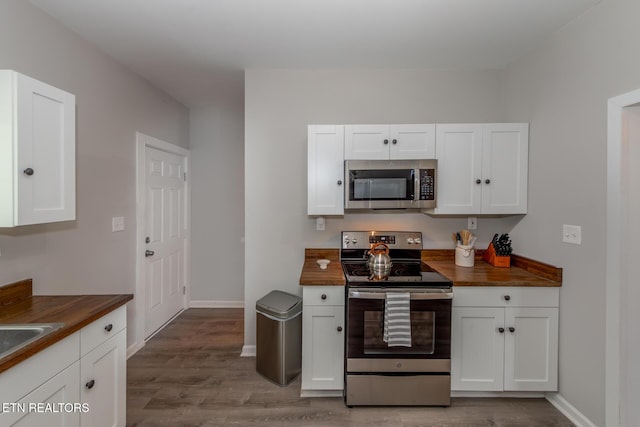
(190,374)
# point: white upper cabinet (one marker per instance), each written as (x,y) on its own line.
(325,169)
(389,142)
(37,152)
(482,168)
(505,154)
(459,154)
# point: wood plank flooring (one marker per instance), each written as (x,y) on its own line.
(190,374)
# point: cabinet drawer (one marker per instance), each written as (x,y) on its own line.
(23,378)
(486,296)
(323,295)
(102,329)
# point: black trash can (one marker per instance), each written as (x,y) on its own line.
(279,336)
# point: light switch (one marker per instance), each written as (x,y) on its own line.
(117,223)
(572,234)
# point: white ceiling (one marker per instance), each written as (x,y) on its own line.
(197,49)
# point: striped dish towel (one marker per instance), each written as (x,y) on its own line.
(397,319)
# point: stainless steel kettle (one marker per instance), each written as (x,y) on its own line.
(379,262)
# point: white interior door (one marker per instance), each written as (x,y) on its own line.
(165,235)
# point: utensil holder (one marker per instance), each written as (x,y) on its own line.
(465,256)
(490,256)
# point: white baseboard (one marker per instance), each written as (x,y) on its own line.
(568,410)
(516,394)
(215,304)
(321,393)
(248,351)
(134,348)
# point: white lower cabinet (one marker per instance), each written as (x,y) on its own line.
(79,381)
(323,340)
(103,386)
(504,339)
(54,403)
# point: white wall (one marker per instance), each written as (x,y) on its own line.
(83,256)
(217,219)
(562,89)
(279,104)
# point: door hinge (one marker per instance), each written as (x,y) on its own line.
(185,176)
(184,290)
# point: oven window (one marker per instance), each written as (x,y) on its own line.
(422,334)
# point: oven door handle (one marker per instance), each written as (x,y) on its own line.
(355,294)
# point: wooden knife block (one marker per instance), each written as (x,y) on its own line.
(495,260)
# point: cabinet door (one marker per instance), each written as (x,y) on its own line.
(41,407)
(325,187)
(412,141)
(531,349)
(323,347)
(504,168)
(459,154)
(103,383)
(45,153)
(477,348)
(366,142)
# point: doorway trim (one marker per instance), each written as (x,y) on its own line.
(142,142)
(615,276)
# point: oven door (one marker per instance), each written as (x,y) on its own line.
(430,325)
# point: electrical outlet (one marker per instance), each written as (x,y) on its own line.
(117,223)
(320,223)
(572,234)
(472,223)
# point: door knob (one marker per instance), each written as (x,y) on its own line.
(149,253)
(501,330)
(90,384)
(339,328)
(28,171)
(512,329)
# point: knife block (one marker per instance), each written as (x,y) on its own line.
(495,260)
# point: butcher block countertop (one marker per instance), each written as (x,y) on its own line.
(18,305)
(312,274)
(523,271)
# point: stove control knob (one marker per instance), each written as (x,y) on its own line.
(346,240)
(354,240)
(417,240)
(410,240)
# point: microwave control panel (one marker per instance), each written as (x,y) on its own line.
(427,184)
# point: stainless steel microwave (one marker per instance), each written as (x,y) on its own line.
(390,184)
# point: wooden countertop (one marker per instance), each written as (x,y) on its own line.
(18,305)
(523,271)
(312,274)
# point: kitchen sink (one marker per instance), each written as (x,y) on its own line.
(15,336)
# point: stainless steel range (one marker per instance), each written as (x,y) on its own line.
(398,343)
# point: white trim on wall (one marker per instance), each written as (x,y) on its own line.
(248,351)
(568,410)
(614,266)
(216,304)
(143,141)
